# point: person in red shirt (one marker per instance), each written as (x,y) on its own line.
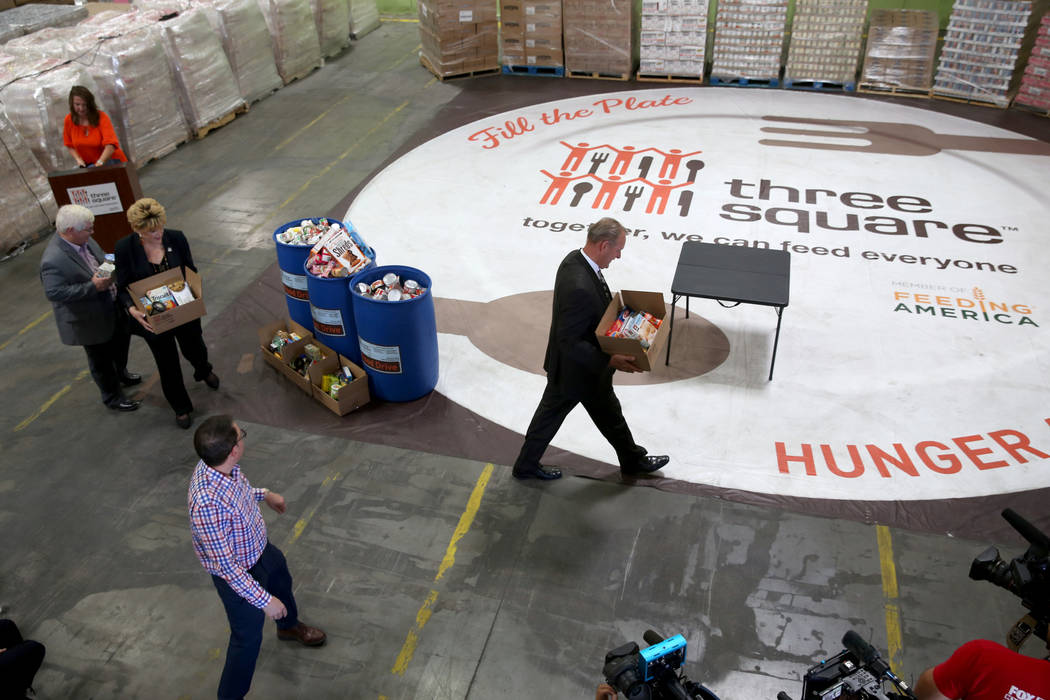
(983,670)
(88,133)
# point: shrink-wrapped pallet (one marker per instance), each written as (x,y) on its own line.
(248,46)
(364,17)
(598,38)
(332,18)
(25,197)
(207,90)
(458,37)
(296,46)
(901,45)
(135,77)
(64,43)
(32,17)
(37,104)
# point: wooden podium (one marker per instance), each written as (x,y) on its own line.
(108,191)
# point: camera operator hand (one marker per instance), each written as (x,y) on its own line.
(604,691)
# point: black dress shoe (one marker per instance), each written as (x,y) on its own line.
(130,378)
(184,421)
(212,381)
(124,404)
(539,472)
(649,463)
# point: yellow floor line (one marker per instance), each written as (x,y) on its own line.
(306,185)
(47,404)
(24,330)
(894,638)
(408,649)
(316,119)
(301,523)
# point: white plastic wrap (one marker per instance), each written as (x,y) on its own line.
(38,103)
(135,78)
(296,46)
(207,89)
(364,17)
(65,43)
(332,18)
(25,196)
(248,46)
(28,18)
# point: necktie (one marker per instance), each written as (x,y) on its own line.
(605,287)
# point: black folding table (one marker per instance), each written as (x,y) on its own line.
(733,274)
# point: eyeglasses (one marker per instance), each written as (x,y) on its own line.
(244,434)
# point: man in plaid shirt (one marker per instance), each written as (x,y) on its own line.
(229,537)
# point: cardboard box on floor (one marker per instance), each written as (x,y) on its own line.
(352,396)
(289,352)
(172,318)
(651,302)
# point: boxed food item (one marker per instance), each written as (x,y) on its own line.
(168,299)
(651,303)
(339,384)
(281,343)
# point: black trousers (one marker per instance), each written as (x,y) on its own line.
(190,340)
(19,663)
(109,360)
(601,405)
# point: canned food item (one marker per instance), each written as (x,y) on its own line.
(394,295)
(379,293)
(411,286)
(361,288)
(390,279)
(377,285)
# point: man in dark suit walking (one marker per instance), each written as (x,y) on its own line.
(85,306)
(578,372)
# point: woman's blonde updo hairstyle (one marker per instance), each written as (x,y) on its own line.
(146,215)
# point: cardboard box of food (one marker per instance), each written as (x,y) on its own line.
(651,302)
(183,313)
(282,362)
(351,397)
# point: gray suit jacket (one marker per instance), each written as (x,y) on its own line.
(85,316)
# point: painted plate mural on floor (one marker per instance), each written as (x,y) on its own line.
(913,354)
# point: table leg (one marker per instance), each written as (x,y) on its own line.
(670,332)
(776,340)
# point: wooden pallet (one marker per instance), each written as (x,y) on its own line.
(299,76)
(1022,107)
(455,76)
(596,75)
(548,71)
(819,85)
(894,90)
(663,78)
(969,100)
(746,82)
(221,121)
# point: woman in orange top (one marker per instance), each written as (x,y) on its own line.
(88,133)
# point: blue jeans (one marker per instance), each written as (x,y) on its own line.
(246,621)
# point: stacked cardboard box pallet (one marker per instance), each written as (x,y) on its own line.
(901,44)
(1035,85)
(531,33)
(673,39)
(825,42)
(459,37)
(749,39)
(598,39)
(980,50)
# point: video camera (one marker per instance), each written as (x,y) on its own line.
(652,673)
(855,673)
(1026,576)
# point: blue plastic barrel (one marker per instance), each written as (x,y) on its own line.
(291,259)
(398,339)
(332,311)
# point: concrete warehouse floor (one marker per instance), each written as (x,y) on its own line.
(434,577)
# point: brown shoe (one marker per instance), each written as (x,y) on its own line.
(304,634)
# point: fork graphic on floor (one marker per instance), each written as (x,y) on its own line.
(892,138)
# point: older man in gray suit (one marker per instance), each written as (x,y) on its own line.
(85,304)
